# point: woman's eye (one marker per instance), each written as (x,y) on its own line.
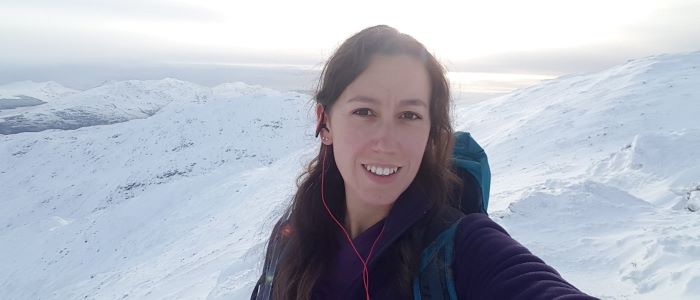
(410,115)
(365,112)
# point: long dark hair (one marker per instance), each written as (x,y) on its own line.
(306,257)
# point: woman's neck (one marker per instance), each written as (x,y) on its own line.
(360,215)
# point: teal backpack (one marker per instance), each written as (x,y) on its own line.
(434,278)
(471,164)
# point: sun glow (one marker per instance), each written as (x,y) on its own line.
(455,30)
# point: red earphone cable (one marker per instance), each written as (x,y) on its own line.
(365,272)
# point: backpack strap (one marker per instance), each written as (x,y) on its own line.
(434,278)
(275,250)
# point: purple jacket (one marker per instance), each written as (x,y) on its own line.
(488,263)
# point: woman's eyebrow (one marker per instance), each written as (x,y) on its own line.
(405,102)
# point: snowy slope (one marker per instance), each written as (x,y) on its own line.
(149,206)
(596,173)
(600,174)
(564,126)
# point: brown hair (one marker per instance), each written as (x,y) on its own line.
(305,257)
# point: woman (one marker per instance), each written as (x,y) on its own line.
(368,206)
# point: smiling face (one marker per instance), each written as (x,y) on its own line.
(379,129)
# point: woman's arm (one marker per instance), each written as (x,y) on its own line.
(489,264)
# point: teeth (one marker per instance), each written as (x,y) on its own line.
(381,171)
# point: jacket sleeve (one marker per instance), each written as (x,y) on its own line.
(489,264)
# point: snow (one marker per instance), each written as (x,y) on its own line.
(172,195)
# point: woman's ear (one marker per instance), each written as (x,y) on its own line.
(322,123)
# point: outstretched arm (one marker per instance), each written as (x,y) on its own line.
(489,264)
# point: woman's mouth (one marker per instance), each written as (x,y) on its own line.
(383,171)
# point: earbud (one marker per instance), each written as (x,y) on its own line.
(322,122)
(320,126)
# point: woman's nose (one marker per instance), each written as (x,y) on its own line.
(384,138)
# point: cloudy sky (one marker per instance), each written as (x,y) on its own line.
(152,38)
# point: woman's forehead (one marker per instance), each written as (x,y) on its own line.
(398,78)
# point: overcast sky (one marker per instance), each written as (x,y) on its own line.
(44,38)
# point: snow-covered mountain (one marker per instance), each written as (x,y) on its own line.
(596,173)
(112,102)
(46,91)
(18,96)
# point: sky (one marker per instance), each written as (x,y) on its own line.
(206,40)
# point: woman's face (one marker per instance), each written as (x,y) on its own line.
(381,122)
